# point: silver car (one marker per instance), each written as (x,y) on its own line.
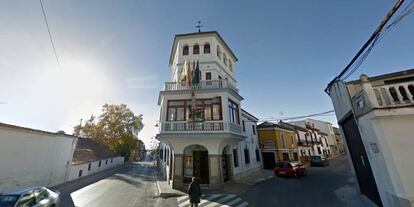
(29,196)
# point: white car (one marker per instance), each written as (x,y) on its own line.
(36,196)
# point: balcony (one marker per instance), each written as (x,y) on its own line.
(384,96)
(401,94)
(200,127)
(211,84)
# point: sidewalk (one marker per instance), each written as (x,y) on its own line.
(164,189)
(240,186)
(233,187)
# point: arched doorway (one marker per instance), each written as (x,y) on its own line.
(196,164)
(225,164)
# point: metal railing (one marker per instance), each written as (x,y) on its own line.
(210,84)
(202,127)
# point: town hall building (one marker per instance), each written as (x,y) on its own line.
(204,132)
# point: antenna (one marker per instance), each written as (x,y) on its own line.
(199,25)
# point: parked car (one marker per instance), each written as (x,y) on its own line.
(29,196)
(319,161)
(287,169)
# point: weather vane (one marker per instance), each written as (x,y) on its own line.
(199,25)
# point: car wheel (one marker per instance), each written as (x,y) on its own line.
(275,172)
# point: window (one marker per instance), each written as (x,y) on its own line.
(218,52)
(27,200)
(206,48)
(180,110)
(230,66)
(225,59)
(196,49)
(112,160)
(257,155)
(291,139)
(319,150)
(106,162)
(295,156)
(285,156)
(234,112)
(254,129)
(244,126)
(41,194)
(80,173)
(176,111)
(185,50)
(99,164)
(235,158)
(246,156)
(89,166)
(282,141)
(309,152)
(208,76)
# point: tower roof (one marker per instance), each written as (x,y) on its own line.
(195,34)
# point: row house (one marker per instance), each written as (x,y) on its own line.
(339,140)
(278,142)
(319,136)
(204,132)
(376,118)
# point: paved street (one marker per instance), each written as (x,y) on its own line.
(129,185)
(134,185)
(322,186)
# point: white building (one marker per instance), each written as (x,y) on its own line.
(34,157)
(305,144)
(376,117)
(201,131)
(322,134)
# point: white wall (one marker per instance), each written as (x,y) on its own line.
(252,143)
(105,164)
(207,61)
(34,158)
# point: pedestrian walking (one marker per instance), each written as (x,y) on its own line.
(194,192)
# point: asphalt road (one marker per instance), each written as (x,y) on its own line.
(322,186)
(128,185)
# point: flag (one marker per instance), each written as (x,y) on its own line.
(176,74)
(183,72)
(189,73)
(196,74)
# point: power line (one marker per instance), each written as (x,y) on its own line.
(374,37)
(325,113)
(50,34)
(380,36)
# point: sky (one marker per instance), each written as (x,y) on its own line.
(117,52)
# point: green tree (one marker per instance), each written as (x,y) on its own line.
(117,127)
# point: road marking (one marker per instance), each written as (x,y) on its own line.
(187,202)
(179,199)
(243,204)
(208,199)
(228,204)
(222,200)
